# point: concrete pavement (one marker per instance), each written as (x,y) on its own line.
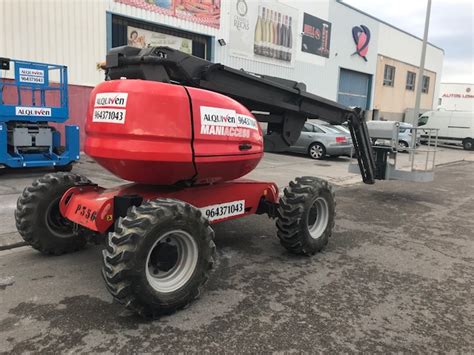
(280,168)
(396,276)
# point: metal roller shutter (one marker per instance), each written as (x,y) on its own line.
(354,88)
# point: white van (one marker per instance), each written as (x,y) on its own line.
(455,127)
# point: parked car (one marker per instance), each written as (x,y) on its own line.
(321,140)
(405,134)
(455,127)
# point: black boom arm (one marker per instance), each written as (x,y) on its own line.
(284,104)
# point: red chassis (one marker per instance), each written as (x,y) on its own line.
(97,208)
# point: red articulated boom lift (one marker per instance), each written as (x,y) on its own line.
(182,130)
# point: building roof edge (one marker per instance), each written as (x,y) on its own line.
(386,23)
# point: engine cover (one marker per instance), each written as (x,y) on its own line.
(162,134)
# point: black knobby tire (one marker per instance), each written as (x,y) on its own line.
(317,151)
(128,268)
(468,144)
(38,219)
(306,215)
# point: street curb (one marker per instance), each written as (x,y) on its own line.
(12,246)
(455,162)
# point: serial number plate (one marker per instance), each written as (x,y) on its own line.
(85,214)
(224,210)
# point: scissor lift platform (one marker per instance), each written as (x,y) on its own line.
(33,95)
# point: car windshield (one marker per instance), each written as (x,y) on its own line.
(422,120)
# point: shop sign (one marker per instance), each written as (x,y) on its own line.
(316,36)
(141,38)
(204,12)
(263,31)
(458,96)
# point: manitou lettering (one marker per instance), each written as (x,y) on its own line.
(225,131)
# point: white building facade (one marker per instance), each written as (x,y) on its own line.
(328,45)
(456,97)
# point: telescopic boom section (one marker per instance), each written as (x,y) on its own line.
(284,104)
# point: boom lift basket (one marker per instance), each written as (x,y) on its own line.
(418,165)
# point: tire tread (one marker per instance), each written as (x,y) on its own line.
(121,247)
(291,211)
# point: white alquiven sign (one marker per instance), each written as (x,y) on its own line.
(33,76)
(110,107)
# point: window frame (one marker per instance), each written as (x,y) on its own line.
(389,81)
(307,127)
(422,121)
(425,88)
(318,129)
(410,84)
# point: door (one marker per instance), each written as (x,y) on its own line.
(460,125)
(354,89)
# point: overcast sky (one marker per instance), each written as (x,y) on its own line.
(451,28)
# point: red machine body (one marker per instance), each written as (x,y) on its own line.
(93,207)
(162,134)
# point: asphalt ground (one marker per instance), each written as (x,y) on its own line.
(396,276)
(278,168)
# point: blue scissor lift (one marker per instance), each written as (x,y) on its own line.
(28,103)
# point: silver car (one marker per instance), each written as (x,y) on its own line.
(405,136)
(321,140)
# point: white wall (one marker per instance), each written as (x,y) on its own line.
(307,68)
(74,33)
(342,53)
(69,32)
(457,96)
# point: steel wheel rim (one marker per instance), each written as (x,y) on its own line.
(318,218)
(165,280)
(469,145)
(56,223)
(316,151)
